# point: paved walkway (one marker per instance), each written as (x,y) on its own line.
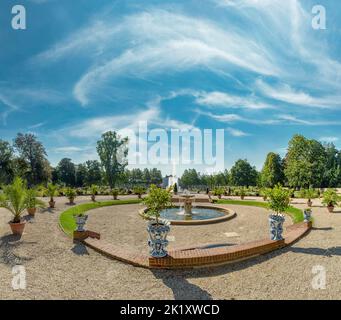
(58,269)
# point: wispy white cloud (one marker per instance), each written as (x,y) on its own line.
(286,93)
(37,125)
(222,99)
(282,119)
(69,149)
(237,132)
(157,41)
(329,139)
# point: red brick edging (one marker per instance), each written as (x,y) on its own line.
(203,256)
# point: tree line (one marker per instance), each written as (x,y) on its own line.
(26,157)
(307,163)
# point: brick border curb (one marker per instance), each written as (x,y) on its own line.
(198,257)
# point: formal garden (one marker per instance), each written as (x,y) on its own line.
(99,230)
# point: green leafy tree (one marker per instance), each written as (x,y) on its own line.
(243,174)
(157,200)
(272,172)
(279,199)
(189,178)
(33,153)
(93,172)
(6,162)
(155,176)
(136,177)
(112,151)
(305,162)
(66,172)
(81,174)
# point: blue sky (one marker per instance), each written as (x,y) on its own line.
(254,68)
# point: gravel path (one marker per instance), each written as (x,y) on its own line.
(58,269)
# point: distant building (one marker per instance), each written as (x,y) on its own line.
(170,180)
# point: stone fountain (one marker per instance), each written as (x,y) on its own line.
(187,200)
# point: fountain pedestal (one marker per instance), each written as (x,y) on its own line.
(187,203)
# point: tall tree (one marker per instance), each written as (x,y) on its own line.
(243,174)
(81,173)
(113,151)
(331,177)
(189,178)
(66,171)
(155,176)
(6,162)
(146,176)
(272,172)
(94,172)
(305,162)
(33,152)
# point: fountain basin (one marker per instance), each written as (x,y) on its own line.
(200,215)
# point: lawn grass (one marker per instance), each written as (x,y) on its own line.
(67,221)
(295,213)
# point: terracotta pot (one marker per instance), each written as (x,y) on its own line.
(52,204)
(242,197)
(31,211)
(309,203)
(72,200)
(17,227)
(330,208)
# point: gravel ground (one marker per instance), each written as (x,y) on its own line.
(58,269)
(121,224)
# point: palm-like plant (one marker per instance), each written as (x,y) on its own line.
(219,191)
(71,194)
(14,199)
(51,192)
(139,191)
(115,193)
(31,200)
(308,194)
(330,199)
(94,191)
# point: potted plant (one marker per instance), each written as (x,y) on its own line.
(32,203)
(80,219)
(139,191)
(218,192)
(279,199)
(307,214)
(157,200)
(264,193)
(51,192)
(13,199)
(93,191)
(70,193)
(330,199)
(308,194)
(242,193)
(115,193)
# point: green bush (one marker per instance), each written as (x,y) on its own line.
(157,200)
(330,198)
(279,199)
